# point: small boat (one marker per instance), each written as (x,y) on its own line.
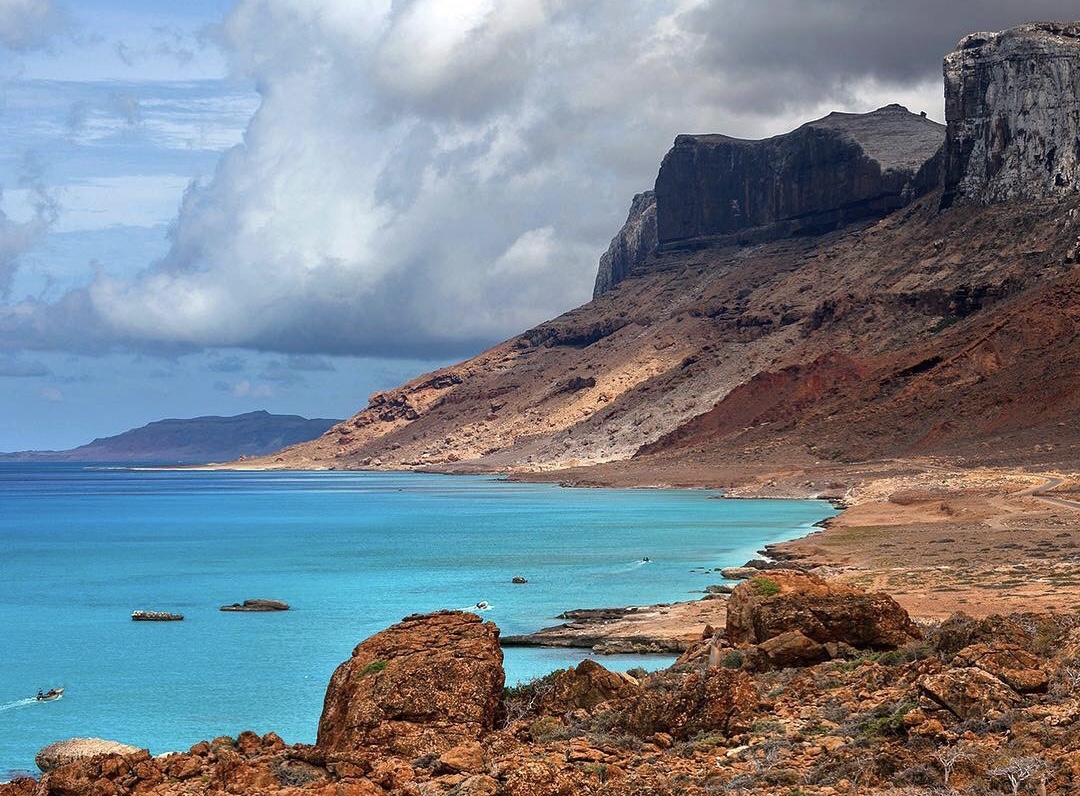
(50,695)
(483,605)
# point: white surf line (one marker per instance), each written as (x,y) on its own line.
(19,703)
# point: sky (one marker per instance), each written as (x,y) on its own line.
(217,206)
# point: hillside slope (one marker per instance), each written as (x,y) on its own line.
(853,305)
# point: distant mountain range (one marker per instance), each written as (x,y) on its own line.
(195,440)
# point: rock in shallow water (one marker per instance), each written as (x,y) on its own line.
(256,606)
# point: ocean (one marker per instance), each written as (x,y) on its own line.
(82,547)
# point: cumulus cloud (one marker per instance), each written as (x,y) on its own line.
(26,24)
(423,178)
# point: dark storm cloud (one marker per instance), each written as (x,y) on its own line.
(796,50)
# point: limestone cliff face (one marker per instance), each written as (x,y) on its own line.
(1012,108)
(631,246)
(819,177)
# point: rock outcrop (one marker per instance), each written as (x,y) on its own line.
(256,606)
(830,172)
(420,687)
(631,246)
(61,753)
(784,602)
(1012,109)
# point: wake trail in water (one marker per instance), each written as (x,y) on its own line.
(18,703)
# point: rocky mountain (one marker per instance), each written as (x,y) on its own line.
(191,441)
(868,285)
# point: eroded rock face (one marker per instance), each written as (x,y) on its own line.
(1012,111)
(631,246)
(784,601)
(422,686)
(967,692)
(827,173)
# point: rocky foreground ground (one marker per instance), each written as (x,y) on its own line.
(812,687)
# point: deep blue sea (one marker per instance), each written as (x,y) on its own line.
(80,548)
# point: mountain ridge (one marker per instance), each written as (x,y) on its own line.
(934,321)
(194,440)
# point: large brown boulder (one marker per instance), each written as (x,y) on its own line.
(1018,668)
(63,752)
(717,700)
(423,686)
(782,601)
(588,685)
(967,693)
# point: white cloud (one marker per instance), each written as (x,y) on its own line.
(424,177)
(51,394)
(26,24)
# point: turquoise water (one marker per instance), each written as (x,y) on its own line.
(80,548)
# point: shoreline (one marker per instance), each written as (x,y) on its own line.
(938,539)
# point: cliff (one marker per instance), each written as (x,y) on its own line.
(828,173)
(631,247)
(1013,114)
(786,315)
(191,441)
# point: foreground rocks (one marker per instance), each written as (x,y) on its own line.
(63,752)
(418,710)
(420,687)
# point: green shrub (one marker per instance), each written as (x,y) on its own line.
(373,668)
(764,586)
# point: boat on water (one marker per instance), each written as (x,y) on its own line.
(50,695)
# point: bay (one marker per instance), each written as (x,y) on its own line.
(81,547)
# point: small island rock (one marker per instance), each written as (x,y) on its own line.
(256,606)
(155,616)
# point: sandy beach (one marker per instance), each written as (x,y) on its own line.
(939,539)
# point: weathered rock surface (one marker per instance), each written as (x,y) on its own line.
(783,601)
(821,176)
(423,686)
(63,752)
(1012,109)
(256,606)
(631,246)
(1018,668)
(968,692)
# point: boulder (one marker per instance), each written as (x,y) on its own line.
(1018,668)
(586,686)
(63,752)
(256,606)
(717,700)
(786,650)
(422,686)
(782,601)
(967,692)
